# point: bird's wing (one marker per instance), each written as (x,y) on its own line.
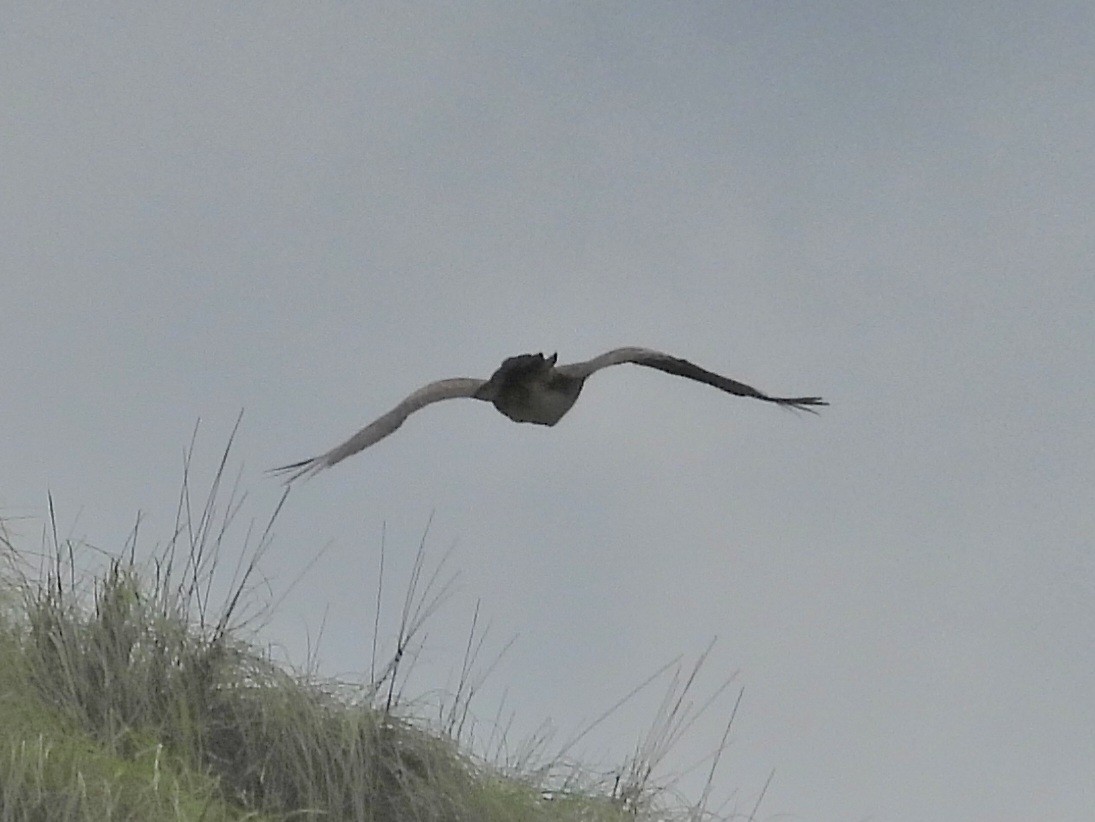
(383,426)
(682,368)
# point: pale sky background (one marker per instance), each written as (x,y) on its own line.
(309,210)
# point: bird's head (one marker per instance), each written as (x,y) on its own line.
(525,364)
(516,371)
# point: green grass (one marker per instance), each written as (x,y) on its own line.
(125,696)
(55,764)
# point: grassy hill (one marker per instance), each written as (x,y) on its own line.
(125,696)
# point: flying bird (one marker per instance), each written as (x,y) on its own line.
(529,388)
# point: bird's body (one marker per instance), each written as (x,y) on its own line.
(531,388)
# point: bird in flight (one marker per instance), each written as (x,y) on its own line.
(529,388)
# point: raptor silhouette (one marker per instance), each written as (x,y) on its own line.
(530,388)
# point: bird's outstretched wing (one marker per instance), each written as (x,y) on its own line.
(383,426)
(682,368)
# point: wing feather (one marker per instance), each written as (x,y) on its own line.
(682,368)
(382,426)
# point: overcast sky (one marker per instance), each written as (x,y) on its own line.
(309,210)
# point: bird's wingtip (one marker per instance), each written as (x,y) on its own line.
(809,404)
(295,470)
(805,403)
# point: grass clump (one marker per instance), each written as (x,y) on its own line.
(125,696)
(66,757)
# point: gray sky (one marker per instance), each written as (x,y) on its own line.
(309,210)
